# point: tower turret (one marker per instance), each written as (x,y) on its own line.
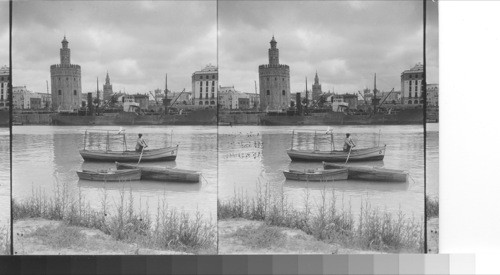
(274,58)
(65,52)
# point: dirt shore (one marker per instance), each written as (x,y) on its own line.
(433,236)
(47,237)
(240,236)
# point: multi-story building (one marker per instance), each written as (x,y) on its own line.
(107,89)
(316,88)
(254,101)
(204,86)
(274,82)
(228,98)
(412,85)
(432,94)
(45,100)
(21,98)
(66,84)
(4,87)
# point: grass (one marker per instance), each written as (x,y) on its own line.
(432,207)
(263,236)
(373,230)
(167,229)
(60,237)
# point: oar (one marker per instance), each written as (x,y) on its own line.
(350,148)
(140,157)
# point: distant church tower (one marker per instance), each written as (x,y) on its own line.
(66,84)
(107,89)
(316,88)
(274,83)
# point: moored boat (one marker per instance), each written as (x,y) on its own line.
(163,174)
(370,173)
(332,155)
(317,175)
(92,154)
(365,154)
(121,175)
(162,154)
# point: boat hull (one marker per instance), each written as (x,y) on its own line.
(323,175)
(369,173)
(122,175)
(367,154)
(163,174)
(163,154)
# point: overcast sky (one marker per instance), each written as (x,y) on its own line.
(4,33)
(137,42)
(345,41)
(432,43)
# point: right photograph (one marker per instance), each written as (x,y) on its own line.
(321,138)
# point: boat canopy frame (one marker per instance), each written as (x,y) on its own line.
(119,132)
(328,132)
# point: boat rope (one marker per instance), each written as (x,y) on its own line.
(414,181)
(201,175)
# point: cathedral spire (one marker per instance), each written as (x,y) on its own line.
(316,78)
(107,78)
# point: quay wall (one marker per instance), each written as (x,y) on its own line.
(235,119)
(32,119)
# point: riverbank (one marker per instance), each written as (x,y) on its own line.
(168,230)
(4,240)
(38,236)
(241,236)
(372,230)
(432,215)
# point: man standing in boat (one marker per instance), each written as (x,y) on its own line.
(141,144)
(348,143)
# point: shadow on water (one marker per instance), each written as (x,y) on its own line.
(143,185)
(348,185)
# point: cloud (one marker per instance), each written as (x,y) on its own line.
(4,33)
(137,42)
(346,42)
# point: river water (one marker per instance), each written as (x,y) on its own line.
(248,154)
(45,157)
(4,178)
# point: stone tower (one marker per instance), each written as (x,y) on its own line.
(274,83)
(316,93)
(107,89)
(66,84)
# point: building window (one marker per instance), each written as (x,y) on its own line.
(74,92)
(206,89)
(213,76)
(268,92)
(213,83)
(409,88)
(283,79)
(59,92)
(275,78)
(268,79)
(283,92)
(200,103)
(410,82)
(213,89)
(206,103)
(212,102)
(206,82)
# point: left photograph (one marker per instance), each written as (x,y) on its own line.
(4,131)
(114,136)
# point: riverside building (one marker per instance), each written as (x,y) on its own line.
(4,87)
(66,84)
(274,82)
(412,85)
(204,85)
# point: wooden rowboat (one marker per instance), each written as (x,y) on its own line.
(163,174)
(169,153)
(370,173)
(316,175)
(366,154)
(122,175)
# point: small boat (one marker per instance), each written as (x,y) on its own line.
(161,154)
(316,175)
(366,154)
(370,173)
(163,174)
(121,175)
(169,153)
